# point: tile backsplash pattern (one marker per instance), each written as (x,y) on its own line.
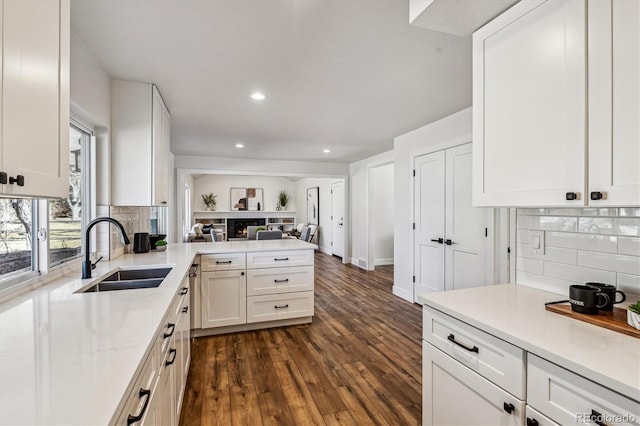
(133,219)
(580,245)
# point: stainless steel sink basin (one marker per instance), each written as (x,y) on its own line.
(128,279)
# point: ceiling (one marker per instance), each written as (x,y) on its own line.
(342,75)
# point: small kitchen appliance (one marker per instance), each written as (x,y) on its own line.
(141,242)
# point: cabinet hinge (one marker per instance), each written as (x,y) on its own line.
(414,172)
(486,232)
(508,250)
(414,225)
(414,278)
(331,243)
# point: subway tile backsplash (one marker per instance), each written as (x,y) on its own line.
(133,219)
(580,245)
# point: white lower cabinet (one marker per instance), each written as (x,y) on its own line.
(455,395)
(568,398)
(534,418)
(224,298)
(274,307)
(157,393)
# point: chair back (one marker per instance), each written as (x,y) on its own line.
(304,233)
(251,232)
(275,234)
(214,235)
(312,232)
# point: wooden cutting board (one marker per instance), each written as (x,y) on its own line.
(615,320)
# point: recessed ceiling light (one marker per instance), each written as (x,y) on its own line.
(239,145)
(258,96)
(326,151)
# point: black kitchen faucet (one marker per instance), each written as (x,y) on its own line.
(87,266)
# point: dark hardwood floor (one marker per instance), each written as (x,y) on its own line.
(358,363)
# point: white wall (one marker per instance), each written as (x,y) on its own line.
(91,105)
(324,199)
(382,214)
(220,185)
(449,131)
(360,205)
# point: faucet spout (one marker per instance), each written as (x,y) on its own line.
(87,266)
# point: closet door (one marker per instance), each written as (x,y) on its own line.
(429,217)
(467,254)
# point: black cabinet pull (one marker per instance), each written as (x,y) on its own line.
(570,196)
(193,271)
(19,180)
(175,353)
(597,195)
(3,178)
(452,338)
(439,240)
(185,309)
(280,259)
(281,307)
(226,262)
(143,393)
(508,407)
(286,280)
(172,327)
(531,422)
(448,242)
(597,418)
(184,290)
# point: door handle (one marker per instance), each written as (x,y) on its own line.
(439,240)
(448,242)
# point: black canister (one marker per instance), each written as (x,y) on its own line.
(141,242)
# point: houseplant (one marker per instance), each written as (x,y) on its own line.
(161,245)
(633,315)
(283,199)
(209,201)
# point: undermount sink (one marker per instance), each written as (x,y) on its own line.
(128,279)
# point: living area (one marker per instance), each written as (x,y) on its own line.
(240,206)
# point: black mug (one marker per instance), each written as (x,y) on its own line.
(587,300)
(611,292)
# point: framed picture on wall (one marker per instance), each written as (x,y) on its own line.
(247,199)
(313,206)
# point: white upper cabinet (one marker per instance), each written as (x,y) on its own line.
(34,145)
(139,145)
(614,102)
(537,141)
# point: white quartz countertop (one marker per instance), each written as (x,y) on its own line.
(517,314)
(68,358)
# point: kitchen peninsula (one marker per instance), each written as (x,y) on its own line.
(79,358)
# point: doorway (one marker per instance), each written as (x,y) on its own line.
(380,228)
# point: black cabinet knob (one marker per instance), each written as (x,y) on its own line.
(508,407)
(597,195)
(531,422)
(17,180)
(570,196)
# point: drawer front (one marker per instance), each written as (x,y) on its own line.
(279,280)
(278,259)
(534,418)
(223,262)
(142,392)
(279,306)
(499,361)
(455,395)
(568,398)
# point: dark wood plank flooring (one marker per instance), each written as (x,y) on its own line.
(358,363)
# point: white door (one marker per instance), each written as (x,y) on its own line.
(337,218)
(466,227)
(429,203)
(224,298)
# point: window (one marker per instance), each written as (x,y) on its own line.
(16,237)
(21,254)
(67,217)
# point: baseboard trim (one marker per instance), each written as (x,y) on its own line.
(403,293)
(200,332)
(383,262)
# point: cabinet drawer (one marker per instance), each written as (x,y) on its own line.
(279,306)
(534,418)
(568,398)
(279,280)
(141,393)
(499,361)
(277,259)
(455,395)
(222,262)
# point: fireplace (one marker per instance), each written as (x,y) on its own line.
(237,228)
